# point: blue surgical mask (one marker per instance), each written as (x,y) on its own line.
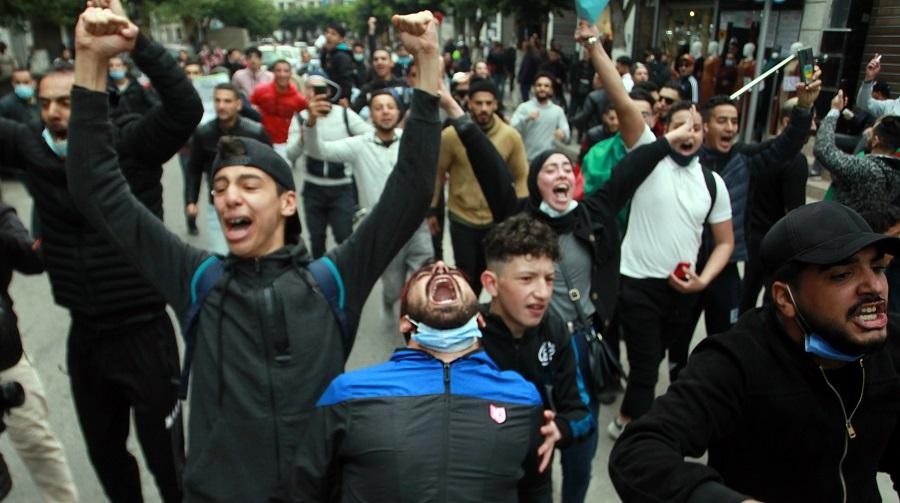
(117,74)
(359,57)
(24,92)
(814,344)
(446,341)
(404,60)
(58,148)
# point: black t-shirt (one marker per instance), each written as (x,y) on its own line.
(776,190)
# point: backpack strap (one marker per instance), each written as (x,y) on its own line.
(347,122)
(711,186)
(329,283)
(205,277)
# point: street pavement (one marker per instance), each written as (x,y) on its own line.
(44,327)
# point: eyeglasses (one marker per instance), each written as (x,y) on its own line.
(668,100)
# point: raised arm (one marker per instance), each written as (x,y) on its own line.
(864,98)
(343,150)
(631,124)
(833,159)
(406,197)
(95,182)
(159,134)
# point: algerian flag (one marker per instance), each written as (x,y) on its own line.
(590,10)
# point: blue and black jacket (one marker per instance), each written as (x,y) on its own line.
(418,429)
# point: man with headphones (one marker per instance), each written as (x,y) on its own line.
(800,401)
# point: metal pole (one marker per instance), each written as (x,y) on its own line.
(760,61)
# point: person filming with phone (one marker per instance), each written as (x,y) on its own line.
(329,196)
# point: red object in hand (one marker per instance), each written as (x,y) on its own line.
(681,270)
(439,16)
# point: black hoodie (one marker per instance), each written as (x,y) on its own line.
(267,343)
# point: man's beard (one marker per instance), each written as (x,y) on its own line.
(385,129)
(443,317)
(838,338)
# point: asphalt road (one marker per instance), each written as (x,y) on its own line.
(44,326)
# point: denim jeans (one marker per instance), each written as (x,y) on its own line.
(577,458)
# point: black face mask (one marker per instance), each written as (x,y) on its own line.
(681,159)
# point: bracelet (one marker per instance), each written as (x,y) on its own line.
(590,41)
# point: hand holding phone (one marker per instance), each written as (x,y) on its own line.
(320,89)
(807,64)
(681,270)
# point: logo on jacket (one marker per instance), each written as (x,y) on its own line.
(498,414)
(546,352)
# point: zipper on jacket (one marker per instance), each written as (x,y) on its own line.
(445,446)
(273,402)
(848,423)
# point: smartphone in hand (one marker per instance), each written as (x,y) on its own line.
(807,64)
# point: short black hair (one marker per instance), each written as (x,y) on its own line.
(788,273)
(338,27)
(483,85)
(625,61)
(883,88)
(282,62)
(518,236)
(678,106)
(717,101)
(646,85)
(888,130)
(358,44)
(671,84)
(637,94)
(253,50)
(226,86)
(880,215)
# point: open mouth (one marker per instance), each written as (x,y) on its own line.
(442,290)
(871,316)
(725,141)
(686,147)
(561,189)
(236,228)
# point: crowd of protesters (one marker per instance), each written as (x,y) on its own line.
(595,204)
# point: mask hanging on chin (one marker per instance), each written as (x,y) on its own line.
(815,344)
(448,340)
(58,148)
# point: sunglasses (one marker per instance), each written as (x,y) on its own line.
(668,100)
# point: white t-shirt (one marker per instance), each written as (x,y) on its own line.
(666,219)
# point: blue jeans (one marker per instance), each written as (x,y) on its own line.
(577,459)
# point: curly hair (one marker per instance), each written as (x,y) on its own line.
(517,236)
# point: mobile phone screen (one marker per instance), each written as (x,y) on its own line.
(807,64)
(320,89)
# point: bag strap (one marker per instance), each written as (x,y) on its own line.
(205,277)
(329,284)
(347,122)
(575,296)
(711,186)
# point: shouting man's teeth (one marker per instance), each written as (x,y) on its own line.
(868,313)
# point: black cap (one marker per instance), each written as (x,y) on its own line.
(259,155)
(820,233)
